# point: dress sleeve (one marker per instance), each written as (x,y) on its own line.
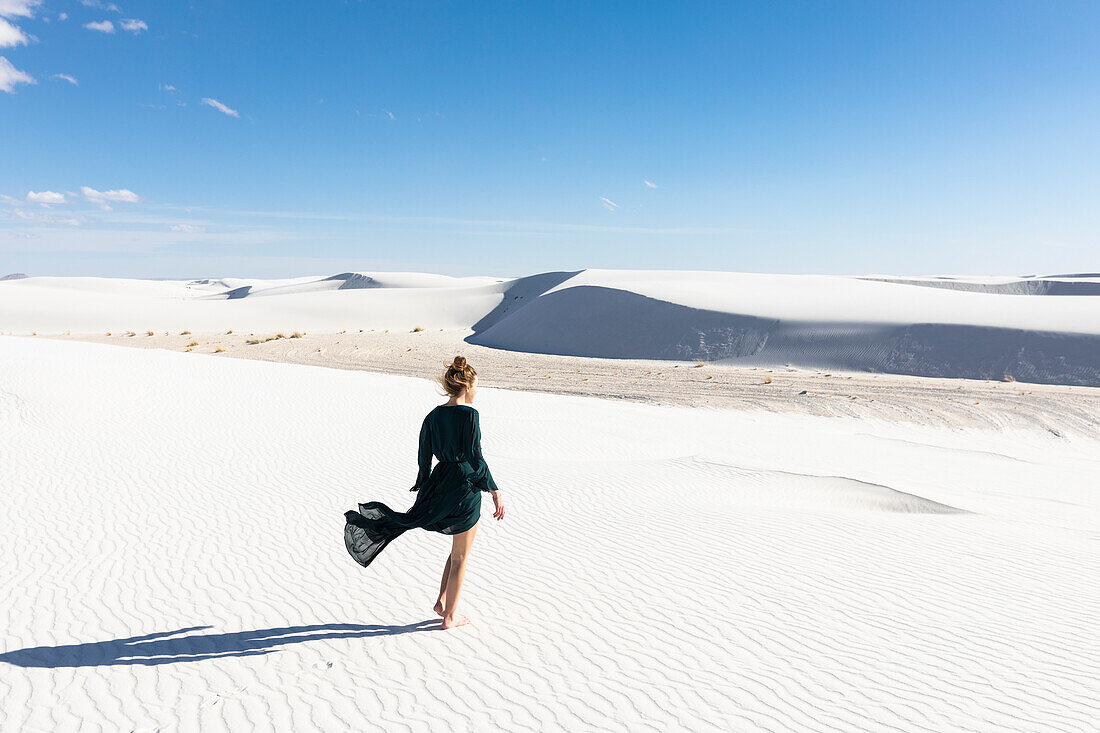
(481,478)
(424,457)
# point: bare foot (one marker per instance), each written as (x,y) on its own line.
(453,621)
(438,607)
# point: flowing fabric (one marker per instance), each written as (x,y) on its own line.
(449,495)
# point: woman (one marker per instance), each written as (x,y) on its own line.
(450,494)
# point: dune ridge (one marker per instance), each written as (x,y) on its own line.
(1036,329)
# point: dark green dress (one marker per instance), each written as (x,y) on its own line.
(449,498)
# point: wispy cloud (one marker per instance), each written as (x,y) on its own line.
(10,76)
(133,25)
(46,197)
(103,26)
(11,35)
(62,16)
(187,228)
(104,199)
(168,88)
(100,5)
(18,8)
(608,203)
(650,184)
(46,218)
(66,77)
(220,107)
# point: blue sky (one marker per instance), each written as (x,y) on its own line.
(273,139)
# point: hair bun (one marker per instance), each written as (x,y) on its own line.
(459,362)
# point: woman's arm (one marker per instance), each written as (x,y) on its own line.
(424,457)
(481,477)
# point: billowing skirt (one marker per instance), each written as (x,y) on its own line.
(446,503)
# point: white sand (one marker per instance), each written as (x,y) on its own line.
(982,328)
(661,568)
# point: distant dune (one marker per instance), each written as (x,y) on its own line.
(1038,329)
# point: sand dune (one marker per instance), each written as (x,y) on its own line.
(982,328)
(173,560)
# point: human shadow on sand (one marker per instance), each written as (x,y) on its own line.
(185,645)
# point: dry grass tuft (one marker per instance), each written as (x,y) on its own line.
(148,333)
(417,329)
(297,335)
(699,363)
(185,333)
(1009,378)
(193,343)
(254,341)
(767,380)
(229,332)
(219,350)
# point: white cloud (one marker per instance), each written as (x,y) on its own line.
(133,25)
(20,8)
(102,198)
(219,106)
(187,228)
(11,35)
(103,26)
(101,5)
(608,204)
(62,16)
(388,113)
(167,88)
(10,76)
(46,197)
(66,77)
(649,184)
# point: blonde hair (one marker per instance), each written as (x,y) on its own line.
(459,376)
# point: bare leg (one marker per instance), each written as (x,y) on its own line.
(460,550)
(443,587)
